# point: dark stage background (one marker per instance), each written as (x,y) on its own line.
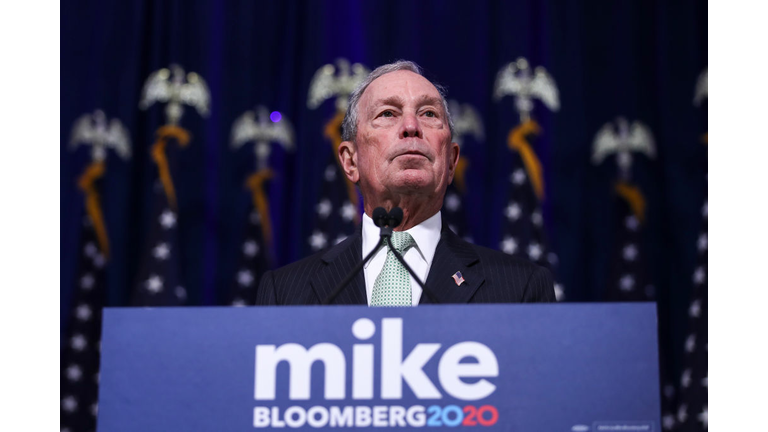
(637,59)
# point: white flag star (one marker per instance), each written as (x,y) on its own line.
(162,251)
(154,284)
(83,312)
(668,421)
(536,218)
(452,202)
(323,208)
(631,223)
(87,281)
(330,173)
(98,260)
(250,248)
(509,245)
(695,309)
(69,404)
(180,292)
(74,373)
(78,342)
(518,177)
(244,277)
(627,283)
(703,417)
(702,243)
(534,251)
(690,343)
(682,413)
(629,252)
(699,276)
(512,212)
(347,211)
(90,250)
(94,409)
(685,379)
(167,219)
(237,301)
(254,218)
(317,240)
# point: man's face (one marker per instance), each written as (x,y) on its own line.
(403,139)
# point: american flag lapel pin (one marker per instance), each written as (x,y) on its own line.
(458,278)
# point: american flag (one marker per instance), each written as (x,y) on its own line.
(467,123)
(159,280)
(337,211)
(254,261)
(454,212)
(80,352)
(629,279)
(693,391)
(523,233)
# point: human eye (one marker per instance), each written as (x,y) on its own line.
(387,113)
(430,113)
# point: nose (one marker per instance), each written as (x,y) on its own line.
(410,126)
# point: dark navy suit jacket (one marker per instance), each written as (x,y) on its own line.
(490,276)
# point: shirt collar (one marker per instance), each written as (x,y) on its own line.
(426,235)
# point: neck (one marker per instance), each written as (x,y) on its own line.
(416,209)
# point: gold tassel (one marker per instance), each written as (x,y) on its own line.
(516,141)
(705,138)
(459,176)
(633,197)
(255,183)
(158,155)
(93,172)
(332,132)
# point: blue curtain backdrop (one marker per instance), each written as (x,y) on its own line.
(639,59)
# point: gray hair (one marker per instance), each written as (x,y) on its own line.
(349,125)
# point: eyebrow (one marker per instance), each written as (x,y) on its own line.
(398,101)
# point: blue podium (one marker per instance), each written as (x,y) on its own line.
(535,367)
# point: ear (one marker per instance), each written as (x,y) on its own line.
(453,161)
(347,154)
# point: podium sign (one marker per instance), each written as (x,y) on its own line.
(535,367)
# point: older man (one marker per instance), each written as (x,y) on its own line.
(398,149)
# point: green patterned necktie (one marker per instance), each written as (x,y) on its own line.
(393,285)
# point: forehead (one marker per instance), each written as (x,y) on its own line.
(403,84)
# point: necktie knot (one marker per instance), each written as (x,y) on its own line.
(402,241)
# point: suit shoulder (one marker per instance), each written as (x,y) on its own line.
(493,257)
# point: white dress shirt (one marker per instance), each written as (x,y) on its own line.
(419,257)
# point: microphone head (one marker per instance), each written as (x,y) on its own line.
(395,216)
(380,217)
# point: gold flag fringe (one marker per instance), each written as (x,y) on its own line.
(255,183)
(93,172)
(517,141)
(158,155)
(459,174)
(633,197)
(332,132)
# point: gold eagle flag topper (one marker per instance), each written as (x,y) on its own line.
(170,87)
(623,140)
(700,95)
(339,81)
(262,130)
(466,121)
(516,79)
(93,130)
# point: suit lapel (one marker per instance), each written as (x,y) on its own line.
(453,254)
(339,262)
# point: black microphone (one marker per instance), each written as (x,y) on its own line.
(395,217)
(381,218)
